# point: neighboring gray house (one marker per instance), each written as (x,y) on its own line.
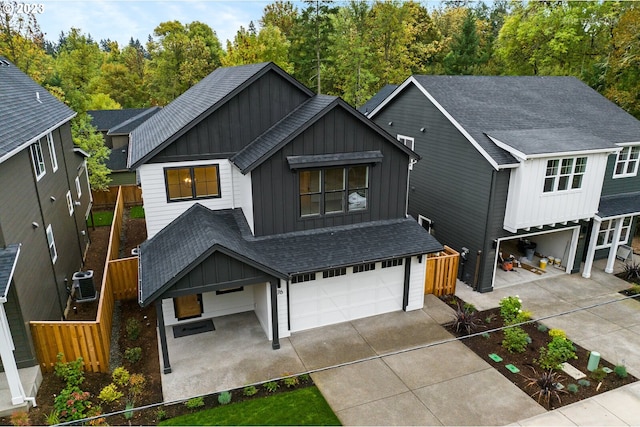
(45,202)
(261,196)
(115,126)
(512,160)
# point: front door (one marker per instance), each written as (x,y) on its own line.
(188,306)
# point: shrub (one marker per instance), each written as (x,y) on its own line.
(557,333)
(133,355)
(194,402)
(631,272)
(547,384)
(542,328)
(620,371)
(599,374)
(120,376)
(271,386)
(72,404)
(96,411)
(572,388)
(70,372)
(20,418)
(161,414)
(469,307)
(224,398)
(509,309)
(634,290)
(584,382)
(290,382)
(136,385)
(558,351)
(133,328)
(110,393)
(465,320)
(128,413)
(304,378)
(523,316)
(53,418)
(515,339)
(249,390)
(486,335)
(489,318)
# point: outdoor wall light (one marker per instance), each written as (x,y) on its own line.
(77,203)
(53,199)
(35,224)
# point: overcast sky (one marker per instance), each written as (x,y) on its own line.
(119,19)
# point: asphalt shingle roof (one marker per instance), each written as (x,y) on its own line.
(8,258)
(188,107)
(619,204)
(26,108)
(178,247)
(493,103)
(129,125)
(104,120)
(377,99)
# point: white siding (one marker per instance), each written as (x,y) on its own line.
(528,206)
(283,311)
(158,212)
(214,305)
(416,284)
(243,194)
(263,307)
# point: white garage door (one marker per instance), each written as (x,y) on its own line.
(324,302)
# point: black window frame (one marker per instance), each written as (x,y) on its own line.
(191,170)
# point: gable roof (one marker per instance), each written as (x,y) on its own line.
(480,104)
(8,259)
(199,231)
(376,99)
(103,120)
(27,110)
(194,105)
(619,204)
(117,160)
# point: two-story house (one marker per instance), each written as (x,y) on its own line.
(511,162)
(261,196)
(45,202)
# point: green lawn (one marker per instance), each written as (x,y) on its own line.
(103,218)
(303,407)
(136,212)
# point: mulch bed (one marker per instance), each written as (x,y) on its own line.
(483,346)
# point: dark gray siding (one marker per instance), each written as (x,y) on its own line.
(451,184)
(620,185)
(240,120)
(275,186)
(23,351)
(218,268)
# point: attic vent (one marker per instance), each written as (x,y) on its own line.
(4,62)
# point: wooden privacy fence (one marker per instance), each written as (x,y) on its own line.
(91,340)
(131,194)
(441,272)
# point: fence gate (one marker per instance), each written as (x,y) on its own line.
(441,272)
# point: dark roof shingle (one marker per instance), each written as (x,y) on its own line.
(377,99)
(619,204)
(103,120)
(8,259)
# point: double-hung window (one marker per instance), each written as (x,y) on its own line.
(69,202)
(52,244)
(409,142)
(190,183)
(52,152)
(38,160)
(333,190)
(627,162)
(607,229)
(78,187)
(564,174)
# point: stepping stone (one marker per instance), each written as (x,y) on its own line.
(495,357)
(572,371)
(512,368)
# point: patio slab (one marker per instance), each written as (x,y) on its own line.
(553,418)
(623,313)
(437,309)
(622,346)
(590,413)
(581,325)
(623,403)
(401,410)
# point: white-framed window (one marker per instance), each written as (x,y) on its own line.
(52,152)
(426,223)
(333,190)
(78,187)
(38,160)
(564,174)
(52,244)
(409,142)
(607,229)
(627,162)
(70,202)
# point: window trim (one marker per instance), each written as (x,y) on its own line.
(69,202)
(37,159)
(405,139)
(629,149)
(51,243)
(78,187)
(193,181)
(558,174)
(52,152)
(610,230)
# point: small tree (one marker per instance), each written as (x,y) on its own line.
(86,137)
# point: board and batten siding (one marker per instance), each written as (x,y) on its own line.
(613,185)
(159,212)
(528,206)
(276,187)
(451,184)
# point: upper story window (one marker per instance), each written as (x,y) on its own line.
(189,183)
(38,160)
(333,190)
(409,142)
(627,162)
(607,229)
(69,203)
(52,244)
(564,174)
(78,187)
(52,152)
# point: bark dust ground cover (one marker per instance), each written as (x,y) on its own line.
(484,345)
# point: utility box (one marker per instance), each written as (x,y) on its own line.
(83,286)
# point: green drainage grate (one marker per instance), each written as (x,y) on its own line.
(607,370)
(512,368)
(495,357)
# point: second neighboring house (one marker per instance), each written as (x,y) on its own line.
(515,162)
(261,196)
(45,203)
(116,126)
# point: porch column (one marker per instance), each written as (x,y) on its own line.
(8,361)
(591,251)
(613,250)
(163,337)
(275,342)
(407,277)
